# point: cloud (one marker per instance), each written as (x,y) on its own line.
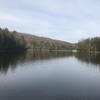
(7,17)
(68,20)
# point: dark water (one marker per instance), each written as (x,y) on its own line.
(49,76)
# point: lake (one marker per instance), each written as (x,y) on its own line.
(49,76)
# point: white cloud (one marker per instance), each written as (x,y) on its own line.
(68,20)
(8,17)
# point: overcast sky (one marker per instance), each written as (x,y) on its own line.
(69,20)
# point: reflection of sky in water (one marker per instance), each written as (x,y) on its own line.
(51,79)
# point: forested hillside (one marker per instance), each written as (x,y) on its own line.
(16,41)
(89,45)
(10,41)
(41,43)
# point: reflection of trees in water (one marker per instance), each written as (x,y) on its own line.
(45,55)
(12,60)
(89,58)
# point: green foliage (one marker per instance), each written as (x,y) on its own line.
(10,42)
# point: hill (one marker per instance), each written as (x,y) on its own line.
(36,42)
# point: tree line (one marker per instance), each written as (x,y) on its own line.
(50,45)
(89,45)
(10,42)
(14,41)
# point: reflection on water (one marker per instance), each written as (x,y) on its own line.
(49,76)
(12,60)
(89,58)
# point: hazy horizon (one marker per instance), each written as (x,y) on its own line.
(67,20)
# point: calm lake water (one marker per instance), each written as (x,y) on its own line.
(49,76)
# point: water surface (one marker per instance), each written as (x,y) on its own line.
(49,76)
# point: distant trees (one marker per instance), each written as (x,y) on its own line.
(10,42)
(14,41)
(89,45)
(50,45)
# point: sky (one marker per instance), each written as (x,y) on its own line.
(67,20)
